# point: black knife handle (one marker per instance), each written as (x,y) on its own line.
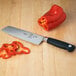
(61,44)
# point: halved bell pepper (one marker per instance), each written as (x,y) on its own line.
(52,16)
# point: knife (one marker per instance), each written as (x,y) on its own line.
(37,39)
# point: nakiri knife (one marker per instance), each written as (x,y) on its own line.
(37,39)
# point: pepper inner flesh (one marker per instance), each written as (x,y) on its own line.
(43,21)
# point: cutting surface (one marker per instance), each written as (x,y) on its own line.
(45,59)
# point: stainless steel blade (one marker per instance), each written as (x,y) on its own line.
(24,35)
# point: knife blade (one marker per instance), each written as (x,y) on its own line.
(37,39)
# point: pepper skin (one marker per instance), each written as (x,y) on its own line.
(8,50)
(4,53)
(50,26)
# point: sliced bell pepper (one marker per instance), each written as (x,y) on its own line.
(21,49)
(4,53)
(8,50)
(10,47)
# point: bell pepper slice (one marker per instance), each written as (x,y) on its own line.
(4,53)
(21,49)
(10,47)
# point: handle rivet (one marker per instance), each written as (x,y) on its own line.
(69,45)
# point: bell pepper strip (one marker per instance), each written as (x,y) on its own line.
(21,49)
(53,15)
(11,48)
(50,26)
(4,53)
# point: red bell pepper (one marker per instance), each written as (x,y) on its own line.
(10,47)
(55,9)
(50,26)
(52,16)
(21,49)
(54,13)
